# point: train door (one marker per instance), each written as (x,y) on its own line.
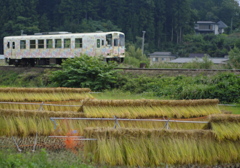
(116,47)
(98,47)
(109,48)
(13,49)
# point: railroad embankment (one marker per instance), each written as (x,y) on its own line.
(24,76)
(177,72)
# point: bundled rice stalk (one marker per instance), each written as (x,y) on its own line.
(45,90)
(31,122)
(43,94)
(150,108)
(152,148)
(44,106)
(225,127)
(35,113)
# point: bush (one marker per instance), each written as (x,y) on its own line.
(234,57)
(205,63)
(134,57)
(225,87)
(85,72)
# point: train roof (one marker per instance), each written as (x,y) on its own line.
(46,34)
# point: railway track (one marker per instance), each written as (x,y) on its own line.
(13,67)
(168,69)
(136,69)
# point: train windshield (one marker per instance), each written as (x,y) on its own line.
(109,39)
(121,40)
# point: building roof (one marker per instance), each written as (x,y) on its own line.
(187,60)
(2,57)
(221,24)
(205,22)
(161,54)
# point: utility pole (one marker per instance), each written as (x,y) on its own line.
(143,42)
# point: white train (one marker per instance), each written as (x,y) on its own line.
(53,47)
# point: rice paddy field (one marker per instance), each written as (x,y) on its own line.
(138,132)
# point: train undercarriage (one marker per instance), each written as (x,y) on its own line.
(31,62)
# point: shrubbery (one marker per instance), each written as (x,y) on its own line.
(85,72)
(225,87)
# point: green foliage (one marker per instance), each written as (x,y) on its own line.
(134,57)
(165,21)
(24,78)
(225,86)
(203,63)
(40,159)
(234,57)
(213,45)
(85,72)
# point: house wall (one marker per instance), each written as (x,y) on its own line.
(159,59)
(216,30)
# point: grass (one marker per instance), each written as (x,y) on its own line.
(119,94)
(234,109)
(42,158)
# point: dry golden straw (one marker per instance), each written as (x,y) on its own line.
(225,126)
(153,148)
(150,108)
(43,94)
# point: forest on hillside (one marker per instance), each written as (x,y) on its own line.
(168,23)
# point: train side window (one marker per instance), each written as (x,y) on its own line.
(58,43)
(40,44)
(122,40)
(8,45)
(102,42)
(13,45)
(22,44)
(78,43)
(32,44)
(67,43)
(49,43)
(109,39)
(98,43)
(115,42)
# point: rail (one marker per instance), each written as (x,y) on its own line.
(138,69)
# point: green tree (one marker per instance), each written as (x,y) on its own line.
(85,72)
(234,57)
(134,56)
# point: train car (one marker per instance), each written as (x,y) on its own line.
(52,47)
